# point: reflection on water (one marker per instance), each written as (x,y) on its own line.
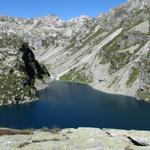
(71,105)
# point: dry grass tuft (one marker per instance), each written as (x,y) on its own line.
(15,132)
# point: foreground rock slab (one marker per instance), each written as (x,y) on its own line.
(74,139)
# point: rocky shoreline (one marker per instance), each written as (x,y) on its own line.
(109,91)
(74,139)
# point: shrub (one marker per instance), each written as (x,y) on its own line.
(133,76)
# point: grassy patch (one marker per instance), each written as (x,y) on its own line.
(118,61)
(133,76)
(76,76)
(113,82)
(114,53)
(11,88)
(109,50)
(11,40)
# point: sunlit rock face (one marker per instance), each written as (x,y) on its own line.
(81,138)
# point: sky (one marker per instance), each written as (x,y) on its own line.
(65,9)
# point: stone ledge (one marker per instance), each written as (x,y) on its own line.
(74,139)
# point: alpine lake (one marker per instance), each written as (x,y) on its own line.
(73,105)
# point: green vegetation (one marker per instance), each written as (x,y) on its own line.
(72,42)
(135,18)
(114,53)
(17,80)
(143,95)
(113,82)
(137,11)
(47,41)
(11,88)
(133,76)
(10,41)
(119,44)
(92,39)
(144,92)
(109,50)
(98,38)
(76,76)
(118,61)
(111,53)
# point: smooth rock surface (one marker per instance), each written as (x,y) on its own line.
(76,139)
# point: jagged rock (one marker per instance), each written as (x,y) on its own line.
(19,70)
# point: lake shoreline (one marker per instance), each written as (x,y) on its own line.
(92,85)
(83,105)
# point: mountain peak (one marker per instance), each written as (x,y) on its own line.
(141,3)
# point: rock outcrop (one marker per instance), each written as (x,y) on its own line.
(74,139)
(19,72)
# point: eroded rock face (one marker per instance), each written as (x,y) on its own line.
(19,70)
(75,139)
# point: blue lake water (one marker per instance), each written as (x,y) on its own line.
(72,105)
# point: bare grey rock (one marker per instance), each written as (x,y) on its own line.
(75,139)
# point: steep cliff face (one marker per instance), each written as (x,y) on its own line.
(19,70)
(109,52)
